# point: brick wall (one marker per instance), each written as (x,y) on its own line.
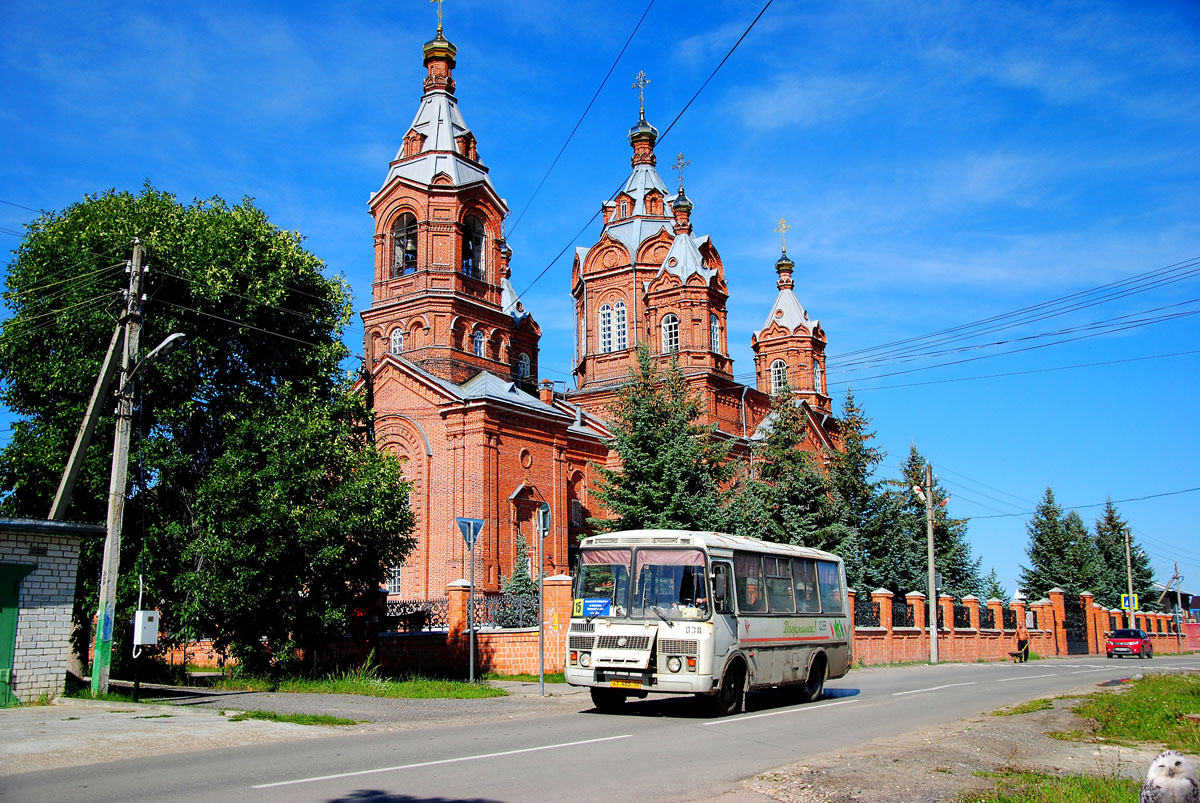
(44,618)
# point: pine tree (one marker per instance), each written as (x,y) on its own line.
(671,468)
(856,498)
(1047,550)
(993,588)
(518,589)
(1110,543)
(1085,567)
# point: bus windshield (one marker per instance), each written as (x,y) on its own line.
(603,588)
(670,585)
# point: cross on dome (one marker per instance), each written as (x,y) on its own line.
(680,164)
(782,230)
(640,84)
(439,5)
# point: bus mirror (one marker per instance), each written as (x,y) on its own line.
(719,589)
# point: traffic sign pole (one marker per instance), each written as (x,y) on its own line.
(543,525)
(470,529)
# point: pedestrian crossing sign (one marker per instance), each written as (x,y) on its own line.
(1129,602)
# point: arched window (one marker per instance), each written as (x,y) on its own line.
(670,333)
(581,343)
(397,344)
(522,367)
(404,245)
(605,329)
(778,375)
(620,339)
(477,344)
(472,247)
(817,376)
(714,333)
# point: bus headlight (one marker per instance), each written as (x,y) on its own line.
(674,664)
(585,659)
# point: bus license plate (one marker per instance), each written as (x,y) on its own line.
(618,683)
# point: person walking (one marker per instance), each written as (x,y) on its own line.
(1022,653)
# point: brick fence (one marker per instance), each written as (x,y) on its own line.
(970,641)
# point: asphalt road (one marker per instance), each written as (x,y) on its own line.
(660,749)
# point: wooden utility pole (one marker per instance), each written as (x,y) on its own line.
(1129,579)
(933,600)
(102,662)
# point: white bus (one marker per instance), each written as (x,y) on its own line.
(706,614)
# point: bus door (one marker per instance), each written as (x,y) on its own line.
(725,635)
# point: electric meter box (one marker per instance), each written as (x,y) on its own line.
(145,628)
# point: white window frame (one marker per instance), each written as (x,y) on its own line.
(621,340)
(477,347)
(605,322)
(778,375)
(714,333)
(522,367)
(670,333)
(397,341)
(817,375)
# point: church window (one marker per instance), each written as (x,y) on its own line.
(714,333)
(404,245)
(522,367)
(670,333)
(605,329)
(472,247)
(778,375)
(624,208)
(393,580)
(477,344)
(620,339)
(397,344)
(817,376)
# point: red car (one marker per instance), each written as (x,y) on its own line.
(1129,642)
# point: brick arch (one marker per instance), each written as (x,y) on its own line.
(659,241)
(597,257)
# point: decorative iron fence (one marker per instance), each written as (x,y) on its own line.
(417,615)
(962,617)
(987,619)
(903,616)
(866,615)
(506,610)
(1010,618)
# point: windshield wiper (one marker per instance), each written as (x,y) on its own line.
(662,616)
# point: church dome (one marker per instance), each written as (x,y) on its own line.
(439,47)
(643,130)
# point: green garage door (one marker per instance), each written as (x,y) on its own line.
(11,576)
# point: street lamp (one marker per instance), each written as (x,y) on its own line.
(102,662)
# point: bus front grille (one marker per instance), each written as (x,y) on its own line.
(631,643)
(674,646)
(581,642)
(583,627)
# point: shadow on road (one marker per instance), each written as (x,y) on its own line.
(690,707)
(379,796)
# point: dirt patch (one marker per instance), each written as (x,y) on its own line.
(938,762)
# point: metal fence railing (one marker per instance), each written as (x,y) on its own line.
(987,619)
(962,617)
(903,616)
(506,610)
(866,614)
(417,615)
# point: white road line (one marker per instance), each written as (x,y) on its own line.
(934,688)
(798,710)
(1085,671)
(440,761)
(1027,677)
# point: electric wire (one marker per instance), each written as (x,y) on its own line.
(1098,504)
(25,319)
(579,122)
(252,327)
(15,293)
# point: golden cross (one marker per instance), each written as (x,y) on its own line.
(640,85)
(439,5)
(680,163)
(782,230)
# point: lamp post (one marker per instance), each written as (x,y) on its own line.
(116,499)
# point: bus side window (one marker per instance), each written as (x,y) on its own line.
(747,570)
(779,584)
(722,589)
(831,587)
(804,575)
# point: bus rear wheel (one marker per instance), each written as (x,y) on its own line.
(607,701)
(814,685)
(728,699)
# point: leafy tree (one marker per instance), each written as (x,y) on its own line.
(1110,542)
(993,588)
(258,316)
(292,524)
(671,468)
(1048,547)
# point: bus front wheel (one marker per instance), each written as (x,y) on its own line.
(607,700)
(728,699)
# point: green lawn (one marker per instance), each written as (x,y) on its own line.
(367,686)
(1036,787)
(295,719)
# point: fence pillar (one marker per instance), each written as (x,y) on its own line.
(972,604)
(1058,602)
(851,594)
(459,596)
(996,606)
(884,598)
(946,603)
(556,611)
(917,600)
(1089,620)
(1020,605)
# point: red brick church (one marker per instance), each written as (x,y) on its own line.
(452,353)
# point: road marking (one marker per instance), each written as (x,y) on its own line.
(1027,677)
(776,713)
(934,688)
(439,761)
(1085,671)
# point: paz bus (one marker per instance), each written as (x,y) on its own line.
(707,614)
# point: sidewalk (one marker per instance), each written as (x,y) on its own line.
(74,732)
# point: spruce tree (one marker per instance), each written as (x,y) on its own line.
(856,498)
(519,587)
(1085,567)
(671,468)
(993,588)
(1047,549)
(1110,543)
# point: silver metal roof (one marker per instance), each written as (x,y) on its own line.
(485,385)
(793,313)
(684,259)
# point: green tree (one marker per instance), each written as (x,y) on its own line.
(1110,542)
(1085,567)
(993,588)
(857,498)
(292,524)
(258,316)
(519,586)
(671,468)
(1048,548)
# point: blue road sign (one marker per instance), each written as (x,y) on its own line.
(470,529)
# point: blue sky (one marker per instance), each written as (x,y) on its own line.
(940,163)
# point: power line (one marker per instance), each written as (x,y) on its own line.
(22,206)
(579,122)
(1097,504)
(249,326)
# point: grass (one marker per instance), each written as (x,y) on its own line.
(551,677)
(1027,707)
(295,719)
(1037,787)
(1149,710)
